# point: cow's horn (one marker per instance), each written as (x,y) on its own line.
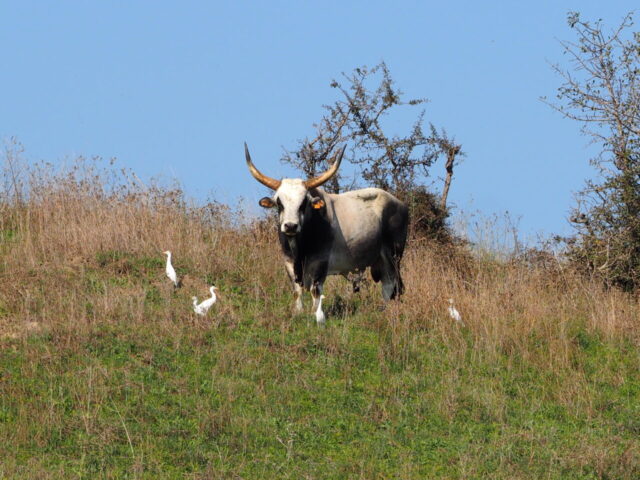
(319,180)
(272,183)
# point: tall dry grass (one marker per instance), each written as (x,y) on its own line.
(65,230)
(61,228)
(505,303)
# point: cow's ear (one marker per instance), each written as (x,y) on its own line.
(317,203)
(267,202)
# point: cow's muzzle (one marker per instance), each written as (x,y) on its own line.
(290,228)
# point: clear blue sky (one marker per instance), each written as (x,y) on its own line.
(174,88)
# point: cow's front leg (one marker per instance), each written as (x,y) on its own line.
(297,287)
(316,294)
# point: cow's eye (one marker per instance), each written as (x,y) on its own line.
(303,205)
(279,203)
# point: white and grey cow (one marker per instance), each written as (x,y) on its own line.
(334,234)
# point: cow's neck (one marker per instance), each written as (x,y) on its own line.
(293,245)
(297,242)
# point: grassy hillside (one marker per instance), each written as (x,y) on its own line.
(106,373)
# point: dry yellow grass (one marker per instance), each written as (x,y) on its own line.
(76,219)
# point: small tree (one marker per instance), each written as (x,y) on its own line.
(395,163)
(601,91)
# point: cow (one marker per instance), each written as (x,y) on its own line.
(324,234)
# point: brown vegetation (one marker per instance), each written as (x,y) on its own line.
(86,220)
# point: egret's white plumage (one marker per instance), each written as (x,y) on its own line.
(455,314)
(170,271)
(203,308)
(320,318)
(196,309)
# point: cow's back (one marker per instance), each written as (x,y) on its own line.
(363,221)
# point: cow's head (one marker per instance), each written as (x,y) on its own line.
(292,195)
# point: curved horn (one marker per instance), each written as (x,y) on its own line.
(272,183)
(319,180)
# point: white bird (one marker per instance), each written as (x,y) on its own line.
(319,313)
(170,271)
(203,308)
(455,314)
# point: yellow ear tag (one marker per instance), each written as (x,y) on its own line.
(318,204)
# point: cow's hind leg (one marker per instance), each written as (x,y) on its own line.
(392,285)
(399,289)
(394,240)
(388,288)
(297,287)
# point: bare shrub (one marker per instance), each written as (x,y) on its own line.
(601,91)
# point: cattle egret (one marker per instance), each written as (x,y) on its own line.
(319,313)
(324,234)
(170,271)
(202,308)
(455,314)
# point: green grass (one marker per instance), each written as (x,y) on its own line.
(289,400)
